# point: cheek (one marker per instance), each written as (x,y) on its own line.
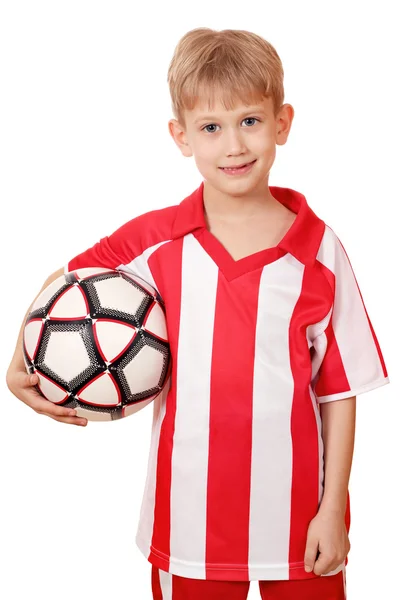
(206,152)
(265,145)
(272,152)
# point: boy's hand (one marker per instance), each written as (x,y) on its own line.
(327,534)
(22,386)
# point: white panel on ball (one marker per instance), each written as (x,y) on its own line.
(113,338)
(48,293)
(120,296)
(100,392)
(62,343)
(51,390)
(138,373)
(31,336)
(136,406)
(70,305)
(155,322)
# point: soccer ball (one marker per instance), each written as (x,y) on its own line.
(97,340)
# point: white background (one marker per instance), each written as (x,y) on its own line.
(85,147)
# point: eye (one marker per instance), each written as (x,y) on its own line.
(251,119)
(213,124)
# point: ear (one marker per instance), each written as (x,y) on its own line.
(178,134)
(283,123)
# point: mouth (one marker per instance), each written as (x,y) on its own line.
(238,168)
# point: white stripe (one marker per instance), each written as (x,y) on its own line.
(350,323)
(165,584)
(335,571)
(270,504)
(320,344)
(139,265)
(314,330)
(191,434)
(144,532)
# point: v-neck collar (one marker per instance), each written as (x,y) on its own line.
(230,267)
(302,239)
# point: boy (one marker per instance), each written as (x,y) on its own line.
(252,443)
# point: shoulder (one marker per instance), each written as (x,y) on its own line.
(160,219)
(331,249)
(150,228)
(144,233)
(332,259)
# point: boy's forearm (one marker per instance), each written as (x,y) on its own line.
(338,432)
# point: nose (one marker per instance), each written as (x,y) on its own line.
(234,143)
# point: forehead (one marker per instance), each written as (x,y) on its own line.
(206,109)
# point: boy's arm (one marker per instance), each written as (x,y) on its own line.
(338,432)
(327,532)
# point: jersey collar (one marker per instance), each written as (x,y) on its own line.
(302,240)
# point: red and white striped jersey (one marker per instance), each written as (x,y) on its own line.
(236,469)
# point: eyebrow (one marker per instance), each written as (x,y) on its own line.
(249,110)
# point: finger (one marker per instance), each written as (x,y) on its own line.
(323,565)
(41,405)
(24,380)
(33,379)
(46,407)
(71,420)
(310,554)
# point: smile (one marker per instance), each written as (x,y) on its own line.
(239,170)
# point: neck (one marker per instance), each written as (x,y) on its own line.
(219,204)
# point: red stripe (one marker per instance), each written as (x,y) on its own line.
(99,255)
(332,377)
(378,348)
(230,444)
(155,584)
(166,268)
(128,241)
(304,430)
(321,588)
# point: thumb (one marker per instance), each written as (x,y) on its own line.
(25,380)
(33,379)
(310,554)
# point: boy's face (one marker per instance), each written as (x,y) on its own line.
(222,138)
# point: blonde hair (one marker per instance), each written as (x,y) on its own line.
(231,65)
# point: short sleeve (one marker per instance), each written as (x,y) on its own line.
(347,359)
(131,247)
(110,252)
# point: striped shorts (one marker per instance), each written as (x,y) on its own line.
(166,586)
